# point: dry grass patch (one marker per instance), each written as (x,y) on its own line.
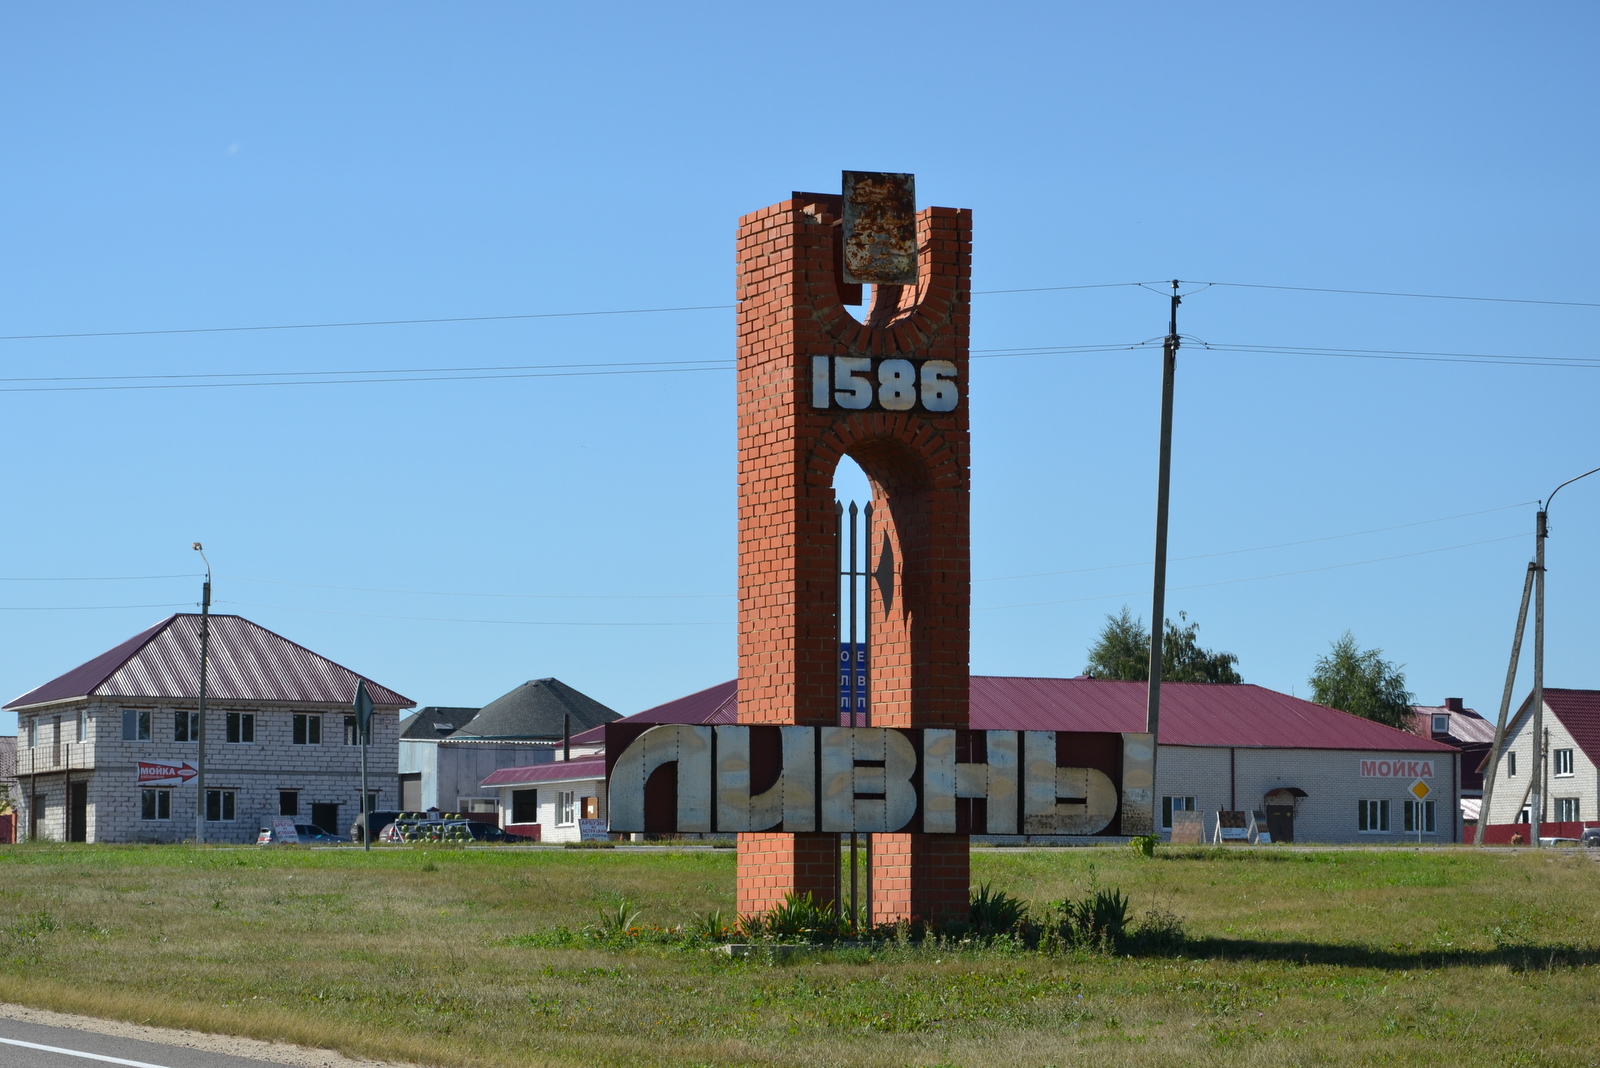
(1337,957)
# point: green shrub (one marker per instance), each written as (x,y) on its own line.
(1097,921)
(1144,844)
(995,912)
(801,918)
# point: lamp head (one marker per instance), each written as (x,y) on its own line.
(196,546)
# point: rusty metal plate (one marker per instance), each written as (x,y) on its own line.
(880,228)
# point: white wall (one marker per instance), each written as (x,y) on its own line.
(1331,779)
(1509,789)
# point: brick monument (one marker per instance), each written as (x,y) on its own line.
(889,389)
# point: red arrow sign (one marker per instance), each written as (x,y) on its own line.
(159,772)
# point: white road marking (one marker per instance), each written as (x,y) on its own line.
(80,1053)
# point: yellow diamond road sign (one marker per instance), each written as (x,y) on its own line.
(1420,789)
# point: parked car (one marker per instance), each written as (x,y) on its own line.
(305,832)
(1591,836)
(380,820)
(488,832)
(316,835)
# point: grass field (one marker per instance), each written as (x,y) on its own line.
(1316,957)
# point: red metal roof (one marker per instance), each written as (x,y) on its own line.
(1466,726)
(1579,712)
(552,771)
(715,704)
(246,662)
(1192,713)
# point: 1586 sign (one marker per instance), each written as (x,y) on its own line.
(890,384)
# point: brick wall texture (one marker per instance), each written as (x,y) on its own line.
(329,773)
(918,461)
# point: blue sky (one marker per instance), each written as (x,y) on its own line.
(182,166)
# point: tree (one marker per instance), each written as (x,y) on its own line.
(1362,683)
(1123,652)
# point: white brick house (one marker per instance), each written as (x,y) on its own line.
(1566,776)
(107,752)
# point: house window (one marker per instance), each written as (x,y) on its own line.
(136,725)
(1420,812)
(1441,724)
(591,808)
(155,804)
(186,726)
(288,802)
(1169,805)
(220,805)
(566,809)
(524,806)
(1526,815)
(1511,765)
(352,733)
(1373,815)
(1563,761)
(241,727)
(1567,809)
(33,734)
(307,729)
(83,726)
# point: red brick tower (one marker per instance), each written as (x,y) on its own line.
(897,404)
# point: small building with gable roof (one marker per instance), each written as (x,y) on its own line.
(108,751)
(1564,769)
(446,753)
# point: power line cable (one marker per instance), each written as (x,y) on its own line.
(363,381)
(92,578)
(1264,548)
(1504,360)
(362,323)
(1256,578)
(1421,296)
(452,619)
(510,596)
(524,316)
(89,607)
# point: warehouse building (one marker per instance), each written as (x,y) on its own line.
(1313,773)
(107,752)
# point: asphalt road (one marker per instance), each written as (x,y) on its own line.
(29,1045)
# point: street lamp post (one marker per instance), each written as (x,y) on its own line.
(1541,532)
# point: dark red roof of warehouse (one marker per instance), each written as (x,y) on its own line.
(1192,713)
(245,662)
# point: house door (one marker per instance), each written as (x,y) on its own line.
(1280,821)
(411,792)
(78,813)
(325,817)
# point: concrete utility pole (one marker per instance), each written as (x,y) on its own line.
(1492,775)
(1542,531)
(200,735)
(1158,599)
